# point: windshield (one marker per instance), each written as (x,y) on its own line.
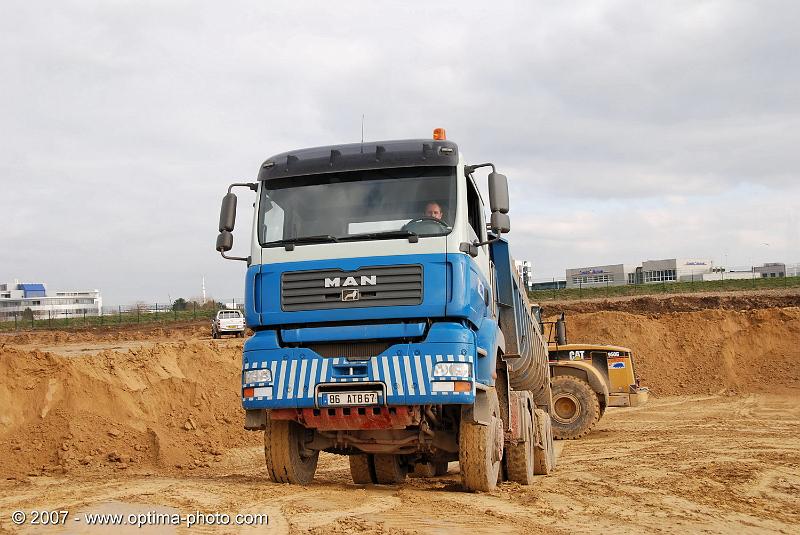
(359,205)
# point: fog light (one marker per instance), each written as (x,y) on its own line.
(452,369)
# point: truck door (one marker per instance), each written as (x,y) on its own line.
(477,228)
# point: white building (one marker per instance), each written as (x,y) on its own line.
(675,270)
(591,276)
(525,272)
(17,297)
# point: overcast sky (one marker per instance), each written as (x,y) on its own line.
(628,130)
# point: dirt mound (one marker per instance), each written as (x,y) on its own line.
(652,304)
(703,352)
(165,405)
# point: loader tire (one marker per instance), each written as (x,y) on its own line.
(576,409)
(520,457)
(480,450)
(362,469)
(287,459)
(544,452)
(389,469)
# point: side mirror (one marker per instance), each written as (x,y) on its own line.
(224,241)
(498,193)
(227,214)
(500,223)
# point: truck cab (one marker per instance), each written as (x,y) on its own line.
(372,291)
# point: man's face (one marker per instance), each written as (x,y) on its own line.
(433,210)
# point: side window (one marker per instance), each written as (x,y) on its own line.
(474,215)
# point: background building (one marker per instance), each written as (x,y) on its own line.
(525,272)
(611,275)
(650,272)
(674,269)
(16,298)
(772,269)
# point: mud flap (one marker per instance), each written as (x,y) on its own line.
(481,412)
(255,419)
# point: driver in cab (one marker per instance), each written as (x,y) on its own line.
(434,210)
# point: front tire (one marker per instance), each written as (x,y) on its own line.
(288,461)
(576,409)
(480,450)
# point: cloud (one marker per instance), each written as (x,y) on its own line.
(628,129)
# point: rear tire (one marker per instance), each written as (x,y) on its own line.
(480,450)
(389,469)
(287,459)
(544,454)
(520,457)
(362,469)
(430,469)
(576,409)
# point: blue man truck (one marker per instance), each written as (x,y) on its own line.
(389,322)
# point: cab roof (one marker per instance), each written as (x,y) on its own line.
(360,157)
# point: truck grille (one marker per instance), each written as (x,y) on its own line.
(393,285)
(350,350)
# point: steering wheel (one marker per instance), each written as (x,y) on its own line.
(424,222)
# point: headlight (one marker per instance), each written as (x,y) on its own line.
(257,376)
(452,369)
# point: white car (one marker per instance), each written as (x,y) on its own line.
(227,322)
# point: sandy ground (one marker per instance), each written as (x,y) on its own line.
(141,421)
(701,464)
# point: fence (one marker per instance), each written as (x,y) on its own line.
(116,315)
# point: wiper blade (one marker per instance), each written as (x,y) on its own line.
(322,238)
(387,234)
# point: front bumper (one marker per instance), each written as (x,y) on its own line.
(403,375)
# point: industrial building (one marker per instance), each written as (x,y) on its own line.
(610,275)
(772,269)
(650,272)
(16,298)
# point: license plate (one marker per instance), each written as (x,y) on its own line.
(346,399)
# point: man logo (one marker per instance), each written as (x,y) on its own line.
(364,280)
(351,295)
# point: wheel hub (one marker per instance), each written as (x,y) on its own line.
(566,408)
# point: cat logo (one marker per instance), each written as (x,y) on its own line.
(351,295)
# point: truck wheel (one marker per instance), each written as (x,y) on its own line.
(544,454)
(389,469)
(575,407)
(480,450)
(362,469)
(520,457)
(288,461)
